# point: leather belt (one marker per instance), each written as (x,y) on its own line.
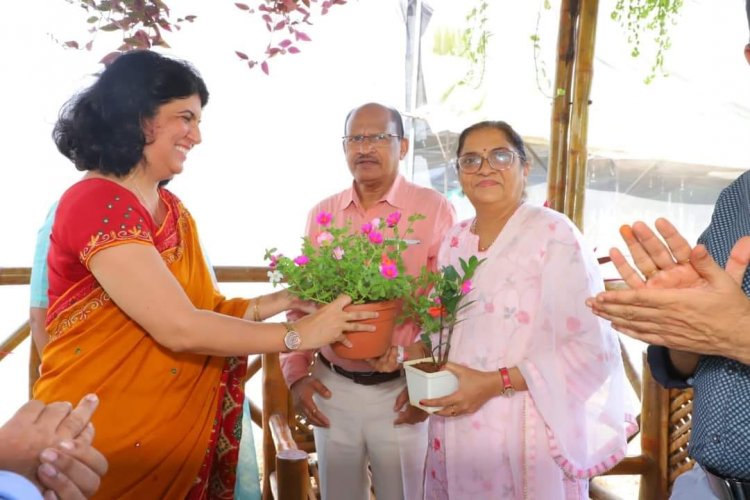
(362,378)
(728,489)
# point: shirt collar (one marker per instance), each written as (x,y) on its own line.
(350,196)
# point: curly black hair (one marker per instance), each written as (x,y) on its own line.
(101,128)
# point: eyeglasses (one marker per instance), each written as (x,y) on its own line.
(374,139)
(499,159)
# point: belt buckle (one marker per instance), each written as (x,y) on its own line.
(737,489)
(362,378)
(725,489)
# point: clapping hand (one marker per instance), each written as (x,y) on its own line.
(51,446)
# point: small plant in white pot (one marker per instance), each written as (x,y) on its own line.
(436,308)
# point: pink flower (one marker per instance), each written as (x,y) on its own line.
(323,238)
(375,222)
(302,260)
(338,253)
(367,227)
(523,317)
(437,300)
(375,237)
(274,260)
(393,219)
(454,242)
(324,218)
(466,287)
(389,270)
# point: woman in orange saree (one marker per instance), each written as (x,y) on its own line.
(134,315)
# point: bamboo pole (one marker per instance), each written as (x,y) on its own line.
(34,363)
(654,425)
(575,181)
(560,122)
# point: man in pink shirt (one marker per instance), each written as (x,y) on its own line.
(362,418)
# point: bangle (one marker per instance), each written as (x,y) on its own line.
(507,383)
(256,310)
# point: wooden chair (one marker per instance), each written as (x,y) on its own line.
(289,471)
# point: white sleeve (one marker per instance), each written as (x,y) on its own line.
(16,487)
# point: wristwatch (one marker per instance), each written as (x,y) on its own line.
(508,390)
(292,339)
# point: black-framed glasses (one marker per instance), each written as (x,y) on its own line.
(499,159)
(381,139)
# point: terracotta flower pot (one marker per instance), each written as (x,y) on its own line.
(371,344)
(424,385)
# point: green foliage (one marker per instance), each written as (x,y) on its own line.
(641,16)
(435,307)
(365,264)
(469,43)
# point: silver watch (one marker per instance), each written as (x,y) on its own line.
(292,339)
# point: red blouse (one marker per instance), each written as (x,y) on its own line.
(94,214)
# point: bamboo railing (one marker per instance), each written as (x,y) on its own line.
(226,274)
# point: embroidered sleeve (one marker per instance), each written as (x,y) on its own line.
(97,214)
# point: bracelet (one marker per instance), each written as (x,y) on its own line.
(400,354)
(256,309)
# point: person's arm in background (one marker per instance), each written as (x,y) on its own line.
(39,284)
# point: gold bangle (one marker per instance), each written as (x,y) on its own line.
(256,310)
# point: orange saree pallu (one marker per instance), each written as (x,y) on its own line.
(169,423)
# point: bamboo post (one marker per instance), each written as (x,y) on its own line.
(34,363)
(575,181)
(654,436)
(271,405)
(560,123)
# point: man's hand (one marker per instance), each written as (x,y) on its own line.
(407,414)
(659,265)
(74,469)
(388,362)
(58,437)
(302,392)
(697,310)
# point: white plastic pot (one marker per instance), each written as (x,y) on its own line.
(423,385)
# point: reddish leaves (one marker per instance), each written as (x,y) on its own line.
(142,23)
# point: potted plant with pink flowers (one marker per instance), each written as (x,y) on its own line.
(364,263)
(436,306)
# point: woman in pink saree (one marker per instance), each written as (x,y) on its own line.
(541,403)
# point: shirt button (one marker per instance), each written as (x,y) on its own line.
(731,370)
(716,439)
